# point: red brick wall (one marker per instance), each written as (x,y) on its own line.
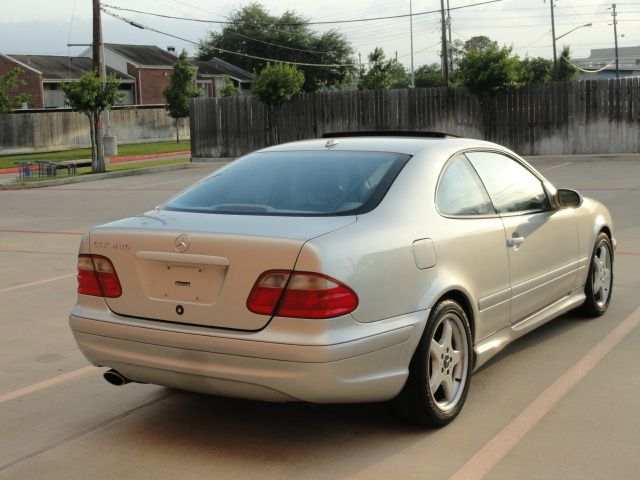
(153,81)
(33,86)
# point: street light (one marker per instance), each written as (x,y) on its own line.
(572,30)
(555,39)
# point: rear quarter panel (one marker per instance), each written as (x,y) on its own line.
(374,256)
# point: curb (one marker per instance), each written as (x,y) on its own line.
(97,176)
(131,158)
(149,156)
(212,159)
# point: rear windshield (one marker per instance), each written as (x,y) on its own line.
(296,183)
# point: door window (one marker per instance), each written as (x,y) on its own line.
(461,192)
(511,186)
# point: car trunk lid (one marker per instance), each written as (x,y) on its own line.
(199,268)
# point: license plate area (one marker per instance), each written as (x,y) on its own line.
(181,282)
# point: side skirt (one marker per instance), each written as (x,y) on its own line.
(491,345)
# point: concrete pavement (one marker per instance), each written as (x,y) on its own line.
(79,426)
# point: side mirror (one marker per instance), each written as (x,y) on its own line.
(567,198)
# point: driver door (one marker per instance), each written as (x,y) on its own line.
(542,243)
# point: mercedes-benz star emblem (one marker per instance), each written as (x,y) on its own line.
(182,243)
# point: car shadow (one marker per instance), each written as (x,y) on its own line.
(246,437)
(542,334)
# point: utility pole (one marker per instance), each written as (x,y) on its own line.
(98,60)
(445,47)
(450,41)
(359,61)
(413,77)
(553,36)
(615,34)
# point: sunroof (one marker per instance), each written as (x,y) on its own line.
(389,133)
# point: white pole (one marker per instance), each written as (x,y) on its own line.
(413,78)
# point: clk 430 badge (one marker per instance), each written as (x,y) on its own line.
(111,245)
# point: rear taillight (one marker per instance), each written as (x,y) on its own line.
(301,295)
(96,276)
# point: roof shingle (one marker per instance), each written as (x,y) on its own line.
(146,55)
(55,67)
(216,66)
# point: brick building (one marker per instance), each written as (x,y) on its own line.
(144,72)
(151,67)
(31,76)
(44,75)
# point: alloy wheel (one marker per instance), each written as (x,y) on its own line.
(448,362)
(601,275)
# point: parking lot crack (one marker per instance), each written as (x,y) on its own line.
(85,432)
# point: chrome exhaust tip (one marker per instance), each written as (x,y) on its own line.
(115,378)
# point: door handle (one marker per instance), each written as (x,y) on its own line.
(515,240)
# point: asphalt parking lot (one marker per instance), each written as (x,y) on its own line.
(560,403)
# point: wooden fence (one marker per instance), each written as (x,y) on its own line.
(59,130)
(587,117)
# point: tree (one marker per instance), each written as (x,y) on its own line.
(91,96)
(229,89)
(9,83)
(379,75)
(479,43)
(566,71)
(276,84)
(399,76)
(457,52)
(535,70)
(254,31)
(487,73)
(490,71)
(429,76)
(181,90)
(347,84)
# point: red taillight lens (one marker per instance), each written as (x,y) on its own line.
(267,290)
(307,295)
(96,276)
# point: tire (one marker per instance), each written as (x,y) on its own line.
(418,402)
(599,286)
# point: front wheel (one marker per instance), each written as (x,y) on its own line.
(599,286)
(439,372)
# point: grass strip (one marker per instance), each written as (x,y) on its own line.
(8,161)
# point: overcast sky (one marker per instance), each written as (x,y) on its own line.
(45,27)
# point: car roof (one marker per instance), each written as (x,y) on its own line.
(397,144)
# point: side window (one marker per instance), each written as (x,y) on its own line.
(511,186)
(461,192)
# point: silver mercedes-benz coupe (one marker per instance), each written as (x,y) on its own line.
(357,268)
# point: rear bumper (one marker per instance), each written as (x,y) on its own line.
(371,366)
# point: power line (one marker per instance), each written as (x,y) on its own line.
(295,24)
(262,41)
(277,45)
(232,32)
(588,71)
(378,9)
(228,30)
(199,8)
(222,50)
(430,47)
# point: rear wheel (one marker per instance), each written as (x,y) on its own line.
(599,286)
(439,372)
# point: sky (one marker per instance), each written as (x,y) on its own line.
(46,27)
